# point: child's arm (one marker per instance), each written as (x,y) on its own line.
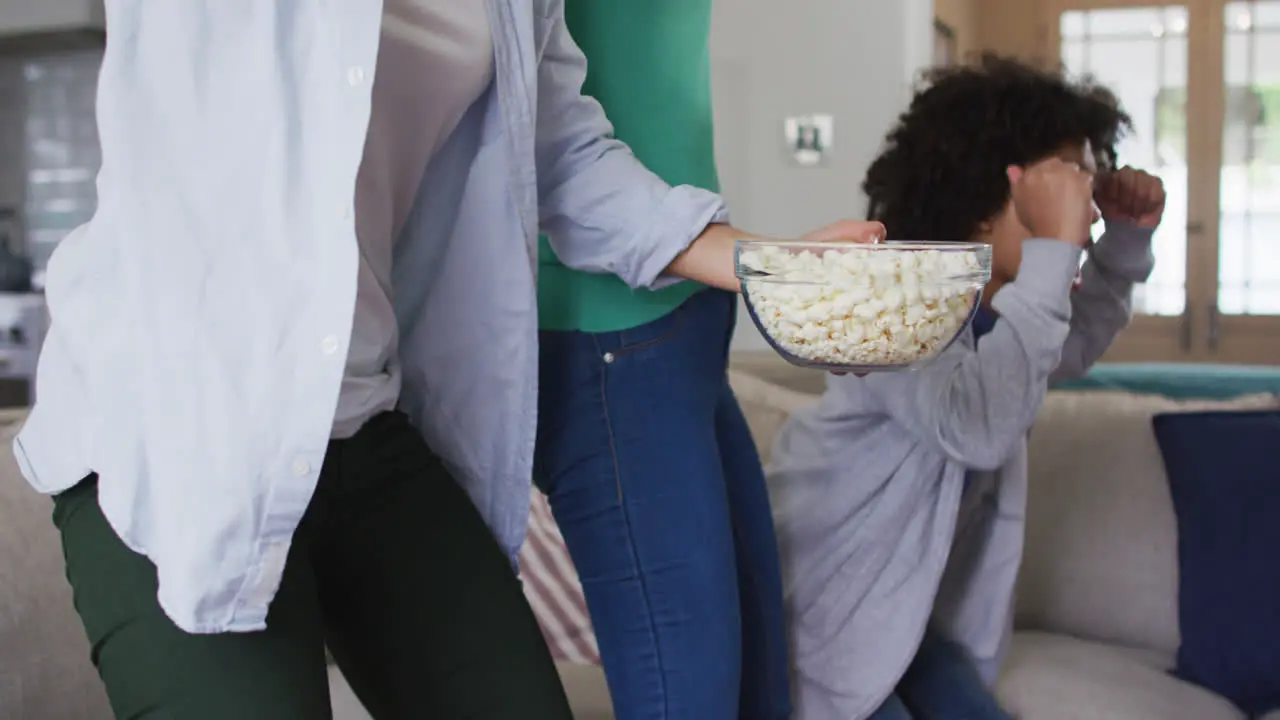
(1101,307)
(973,405)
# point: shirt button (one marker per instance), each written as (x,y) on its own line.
(355,75)
(330,345)
(300,466)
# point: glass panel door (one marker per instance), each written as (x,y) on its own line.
(1249,242)
(1141,52)
(1245,314)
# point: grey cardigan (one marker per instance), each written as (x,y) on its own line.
(876,528)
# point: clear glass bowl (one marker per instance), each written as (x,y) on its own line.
(861,308)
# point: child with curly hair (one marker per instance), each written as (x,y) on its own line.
(900,497)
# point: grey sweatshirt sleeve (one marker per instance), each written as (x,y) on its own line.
(1102,306)
(972,405)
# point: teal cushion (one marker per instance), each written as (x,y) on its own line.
(1180,381)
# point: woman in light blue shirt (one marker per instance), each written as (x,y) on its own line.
(302,322)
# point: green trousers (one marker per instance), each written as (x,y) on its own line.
(391,567)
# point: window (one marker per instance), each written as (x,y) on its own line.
(1202,82)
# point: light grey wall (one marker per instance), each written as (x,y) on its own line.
(854,59)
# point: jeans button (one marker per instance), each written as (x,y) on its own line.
(608,358)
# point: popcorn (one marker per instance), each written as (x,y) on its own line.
(859,307)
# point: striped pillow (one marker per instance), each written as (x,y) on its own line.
(552,588)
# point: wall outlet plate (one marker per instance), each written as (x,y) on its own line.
(809,138)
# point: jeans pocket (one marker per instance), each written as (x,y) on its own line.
(652,333)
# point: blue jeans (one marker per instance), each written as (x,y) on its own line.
(657,488)
(941,684)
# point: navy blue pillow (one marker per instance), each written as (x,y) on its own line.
(1224,473)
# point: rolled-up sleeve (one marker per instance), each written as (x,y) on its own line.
(600,208)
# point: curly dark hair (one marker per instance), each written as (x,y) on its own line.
(941,172)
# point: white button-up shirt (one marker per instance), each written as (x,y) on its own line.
(200,321)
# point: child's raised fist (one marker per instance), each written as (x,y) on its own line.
(1053,199)
(1131,196)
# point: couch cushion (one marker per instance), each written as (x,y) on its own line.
(1101,544)
(766,406)
(346,706)
(1056,677)
(1226,492)
(770,367)
(1181,380)
(45,670)
(587,690)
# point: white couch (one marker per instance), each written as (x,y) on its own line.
(1097,613)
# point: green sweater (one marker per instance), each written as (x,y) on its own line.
(648,65)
